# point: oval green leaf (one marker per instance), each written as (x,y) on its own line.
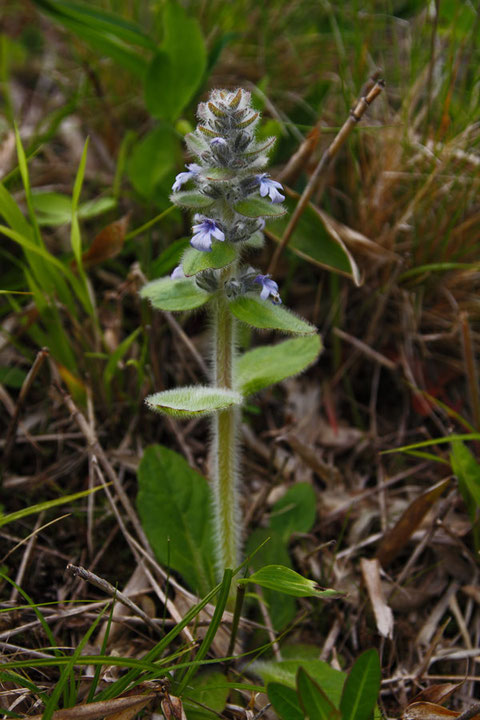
(284,701)
(259,207)
(317,241)
(264,366)
(362,687)
(314,701)
(195,261)
(177,70)
(174,295)
(285,580)
(295,511)
(264,315)
(193,401)
(191,199)
(174,506)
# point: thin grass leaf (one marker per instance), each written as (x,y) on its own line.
(115,357)
(212,628)
(22,164)
(435,441)
(47,505)
(75,237)
(22,681)
(67,671)
(40,618)
(131,677)
(53,261)
(98,669)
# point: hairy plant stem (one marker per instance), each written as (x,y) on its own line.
(224,450)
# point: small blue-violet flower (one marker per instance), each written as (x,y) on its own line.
(205,231)
(178,273)
(183,177)
(270,187)
(269,287)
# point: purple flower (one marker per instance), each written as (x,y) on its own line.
(269,287)
(183,177)
(204,231)
(218,142)
(178,273)
(270,187)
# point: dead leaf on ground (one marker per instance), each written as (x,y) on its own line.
(106,244)
(396,538)
(382,611)
(437,693)
(429,711)
(121,708)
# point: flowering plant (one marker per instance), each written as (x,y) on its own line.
(232,198)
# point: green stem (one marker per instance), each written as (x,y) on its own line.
(224,450)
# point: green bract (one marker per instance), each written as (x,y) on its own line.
(258,207)
(221,255)
(266,316)
(168,294)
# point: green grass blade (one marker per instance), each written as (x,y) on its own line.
(47,505)
(67,671)
(75,238)
(434,441)
(212,628)
(40,618)
(117,355)
(22,164)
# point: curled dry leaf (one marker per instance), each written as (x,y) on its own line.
(430,711)
(107,243)
(396,538)
(122,708)
(437,693)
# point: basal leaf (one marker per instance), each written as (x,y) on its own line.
(315,703)
(193,401)
(285,671)
(284,701)
(265,315)
(174,506)
(210,690)
(295,511)
(362,687)
(316,243)
(264,366)
(174,295)
(177,70)
(285,580)
(259,207)
(152,159)
(195,261)
(281,608)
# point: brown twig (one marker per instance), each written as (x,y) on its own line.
(372,90)
(106,587)
(470,713)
